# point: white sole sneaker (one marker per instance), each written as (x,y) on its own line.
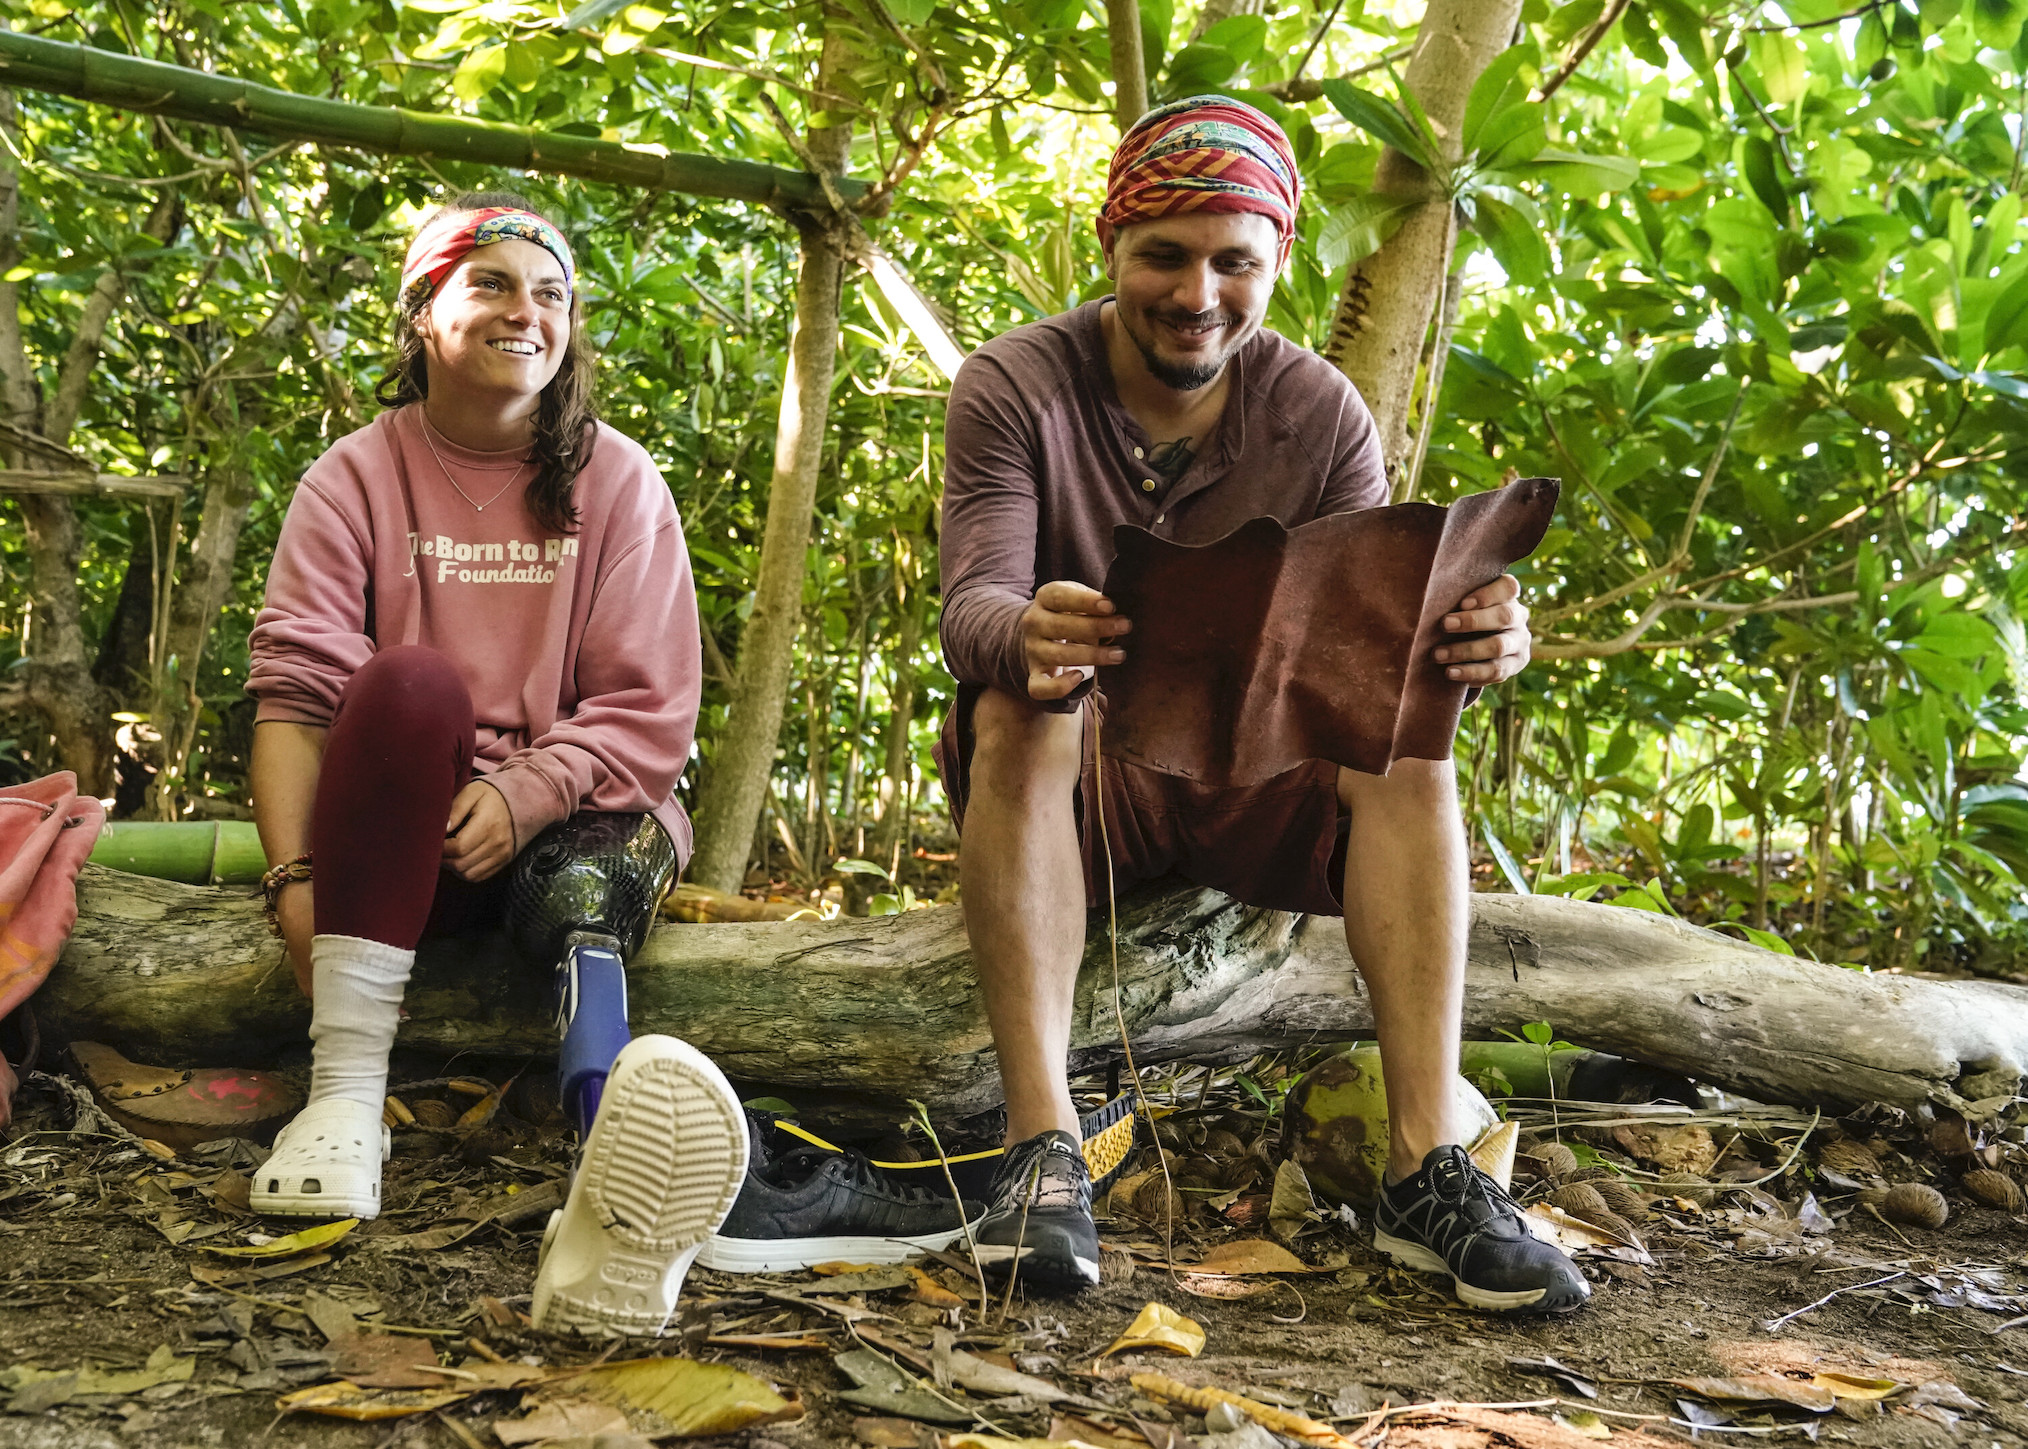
(326,1164)
(782,1255)
(665,1159)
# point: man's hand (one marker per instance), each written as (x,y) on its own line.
(1067,625)
(1496,611)
(479,838)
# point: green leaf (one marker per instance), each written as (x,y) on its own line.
(1498,89)
(1578,174)
(1784,70)
(1758,165)
(1381,119)
(911,12)
(2007,318)
(1357,230)
(479,72)
(1514,234)
(1509,867)
(1513,136)
(1540,1033)
(850,866)
(1997,23)
(1199,67)
(1242,36)
(1766,940)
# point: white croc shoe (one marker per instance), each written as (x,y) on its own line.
(664,1161)
(326,1164)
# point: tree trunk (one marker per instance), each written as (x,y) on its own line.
(745,754)
(1130,65)
(891,837)
(859,1015)
(1384,310)
(57,679)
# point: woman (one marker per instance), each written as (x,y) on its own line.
(480,622)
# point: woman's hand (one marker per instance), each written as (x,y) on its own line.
(479,837)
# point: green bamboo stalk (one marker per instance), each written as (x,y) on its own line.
(130,83)
(196,852)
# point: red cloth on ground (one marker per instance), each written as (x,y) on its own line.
(399,750)
(47,830)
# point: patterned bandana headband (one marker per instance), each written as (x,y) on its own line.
(1205,154)
(444,242)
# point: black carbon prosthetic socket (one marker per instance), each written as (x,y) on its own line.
(595,872)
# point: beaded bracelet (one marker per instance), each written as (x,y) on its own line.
(287,873)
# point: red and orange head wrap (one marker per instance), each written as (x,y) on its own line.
(1204,154)
(443,243)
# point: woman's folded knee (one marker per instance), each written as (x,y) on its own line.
(410,690)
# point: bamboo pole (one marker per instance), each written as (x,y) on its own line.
(182,94)
(195,852)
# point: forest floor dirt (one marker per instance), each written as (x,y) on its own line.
(120,1326)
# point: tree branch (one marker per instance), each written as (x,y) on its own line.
(73,374)
(1584,48)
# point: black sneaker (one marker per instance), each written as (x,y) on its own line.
(803,1204)
(1040,1213)
(1452,1218)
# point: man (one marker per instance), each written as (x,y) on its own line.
(1169,406)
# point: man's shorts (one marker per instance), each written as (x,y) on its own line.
(1278,844)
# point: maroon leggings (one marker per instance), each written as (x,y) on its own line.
(399,750)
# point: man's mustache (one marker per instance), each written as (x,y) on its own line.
(1194,319)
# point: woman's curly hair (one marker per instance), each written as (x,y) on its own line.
(564,417)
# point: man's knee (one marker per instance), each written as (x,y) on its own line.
(1018,747)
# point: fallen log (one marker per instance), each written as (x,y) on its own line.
(859,1013)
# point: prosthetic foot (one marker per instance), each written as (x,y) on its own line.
(664,1136)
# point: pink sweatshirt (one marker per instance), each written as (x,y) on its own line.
(580,650)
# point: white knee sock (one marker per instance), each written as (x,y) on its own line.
(358,985)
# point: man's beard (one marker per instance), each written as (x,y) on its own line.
(1182,376)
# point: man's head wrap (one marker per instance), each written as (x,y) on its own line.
(443,243)
(1204,154)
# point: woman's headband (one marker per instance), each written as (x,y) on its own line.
(443,243)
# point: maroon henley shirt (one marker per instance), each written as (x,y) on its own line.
(1041,460)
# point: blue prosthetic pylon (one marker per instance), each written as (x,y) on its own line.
(592,1019)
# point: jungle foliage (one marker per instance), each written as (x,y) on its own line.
(1750,280)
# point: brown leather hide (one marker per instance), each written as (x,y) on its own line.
(1275,646)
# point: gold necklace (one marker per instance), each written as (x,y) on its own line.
(427,429)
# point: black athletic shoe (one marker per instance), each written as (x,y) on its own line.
(1452,1218)
(1040,1213)
(803,1204)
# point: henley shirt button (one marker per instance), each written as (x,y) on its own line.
(1147,485)
(1139,454)
(1160,516)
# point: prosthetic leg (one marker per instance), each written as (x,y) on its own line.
(663,1137)
(581,900)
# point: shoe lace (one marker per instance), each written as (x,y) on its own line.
(858,1172)
(1044,1176)
(1458,1181)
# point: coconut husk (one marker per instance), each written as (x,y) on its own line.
(1994,1189)
(1916,1204)
(182,1109)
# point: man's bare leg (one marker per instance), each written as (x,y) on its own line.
(1023,891)
(1406,917)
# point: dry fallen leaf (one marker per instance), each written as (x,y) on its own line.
(1292,1202)
(693,1398)
(928,1290)
(344,1400)
(255,1272)
(1162,1328)
(384,1361)
(1248,1256)
(565,1418)
(321,1236)
(1762,1389)
(1585,1422)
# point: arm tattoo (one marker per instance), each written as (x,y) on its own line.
(1172,459)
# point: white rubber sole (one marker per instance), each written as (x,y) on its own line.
(326,1164)
(781,1255)
(664,1162)
(995,1256)
(1422,1260)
